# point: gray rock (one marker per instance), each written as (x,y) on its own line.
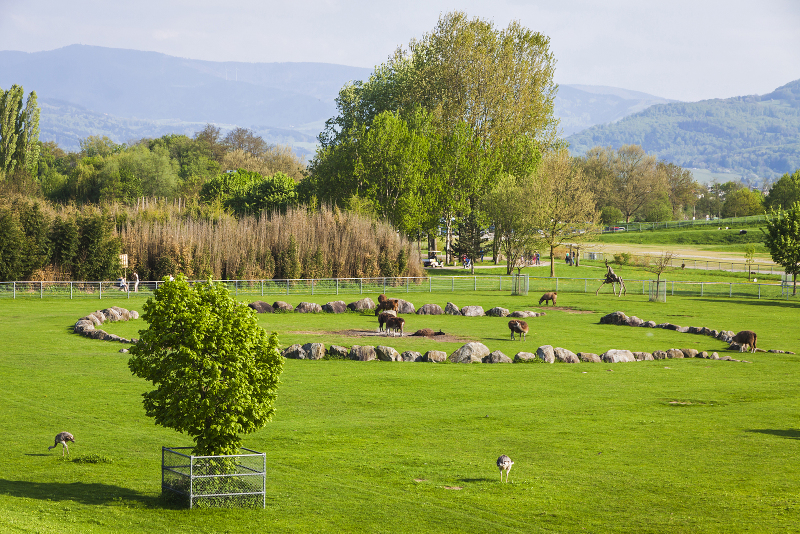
(314,351)
(337,306)
(714,356)
(546,354)
(704,354)
(616,318)
(430,309)
(124,351)
(308,307)
(524,357)
(682,329)
(689,353)
(472,311)
(451,309)
(387,354)
(403,306)
(294,352)
(674,353)
(111,314)
(435,356)
(133,314)
(261,307)
(83,325)
(634,321)
(472,352)
(497,311)
(648,324)
(662,325)
(642,356)
(705,332)
(279,305)
(670,326)
(589,357)
(565,356)
(363,353)
(525,314)
(497,357)
(659,355)
(411,356)
(360,305)
(337,352)
(693,330)
(617,356)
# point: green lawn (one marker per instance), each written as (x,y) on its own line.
(664,446)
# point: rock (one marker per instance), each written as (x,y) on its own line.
(589,357)
(714,356)
(670,326)
(524,357)
(693,330)
(472,311)
(472,352)
(83,325)
(451,309)
(337,352)
(363,353)
(674,353)
(411,356)
(430,309)
(565,356)
(96,317)
(617,356)
(403,306)
(616,318)
(682,329)
(133,314)
(705,331)
(648,324)
(546,354)
(124,351)
(436,356)
(662,325)
(308,307)
(424,332)
(387,354)
(634,321)
(337,306)
(360,305)
(689,353)
(279,305)
(261,307)
(314,351)
(496,357)
(111,314)
(497,311)
(703,354)
(124,315)
(659,355)
(294,352)
(525,314)
(642,356)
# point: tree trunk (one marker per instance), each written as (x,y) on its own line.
(448,240)
(552,262)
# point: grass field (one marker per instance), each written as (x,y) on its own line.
(662,446)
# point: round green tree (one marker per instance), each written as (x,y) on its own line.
(216,372)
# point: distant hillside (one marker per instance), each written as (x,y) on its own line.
(755,136)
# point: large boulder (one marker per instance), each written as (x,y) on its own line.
(111,314)
(387,354)
(314,351)
(280,305)
(403,306)
(546,354)
(295,352)
(261,307)
(659,355)
(472,352)
(589,357)
(337,306)
(642,356)
(435,356)
(674,353)
(524,357)
(634,321)
(451,309)
(648,324)
(525,313)
(472,311)
(497,311)
(308,307)
(565,356)
(360,305)
(411,356)
(430,309)
(497,357)
(616,318)
(363,353)
(617,356)
(690,353)
(337,352)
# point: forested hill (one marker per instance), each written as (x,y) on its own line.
(757,136)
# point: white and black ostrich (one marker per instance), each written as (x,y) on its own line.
(63,438)
(504,463)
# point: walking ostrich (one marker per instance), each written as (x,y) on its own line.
(504,463)
(62,438)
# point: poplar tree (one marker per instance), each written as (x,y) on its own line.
(19,132)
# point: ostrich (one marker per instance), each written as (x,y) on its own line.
(504,463)
(62,438)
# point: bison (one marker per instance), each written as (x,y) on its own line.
(396,324)
(549,296)
(383,317)
(520,327)
(385,304)
(745,337)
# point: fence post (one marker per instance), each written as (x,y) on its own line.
(759,290)
(406,284)
(585,281)
(475,284)
(361,286)
(384,285)
(701,289)
(262,288)
(430,284)
(100,285)
(730,291)
(15,290)
(337,290)
(41,289)
(287,286)
(236,287)
(556,285)
(70,290)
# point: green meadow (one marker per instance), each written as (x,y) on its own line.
(683,445)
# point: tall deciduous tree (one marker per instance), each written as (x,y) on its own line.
(216,372)
(782,238)
(784,192)
(19,132)
(681,187)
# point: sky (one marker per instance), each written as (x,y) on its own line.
(680,49)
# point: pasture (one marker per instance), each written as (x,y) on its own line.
(685,445)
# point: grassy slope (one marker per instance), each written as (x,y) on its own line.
(597,447)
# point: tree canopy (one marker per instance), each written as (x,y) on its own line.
(19,132)
(782,238)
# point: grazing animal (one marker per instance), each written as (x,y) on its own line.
(504,463)
(549,296)
(385,304)
(382,318)
(520,327)
(745,337)
(396,324)
(62,438)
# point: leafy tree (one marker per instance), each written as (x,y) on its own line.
(681,187)
(610,215)
(782,238)
(19,132)
(749,257)
(65,241)
(215,370)
(96,145)
(657,209)
(12,246)
(98,252)
(659,266)
(742,203)
(245,140)
(248,192)
(471,242)
(210,138)
(784,192)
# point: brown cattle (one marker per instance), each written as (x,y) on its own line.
(745,337)
(549,296)
(520,327)
(382,318)
(396,324)
(385,304)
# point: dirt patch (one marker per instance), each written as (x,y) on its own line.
(447,338)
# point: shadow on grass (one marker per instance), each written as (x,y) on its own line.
(82,492)
(756,302)
(788,433)
(473,480)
